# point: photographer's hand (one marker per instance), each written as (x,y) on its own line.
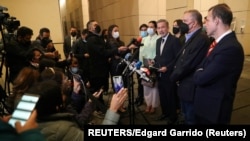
(30,124)
(118,99)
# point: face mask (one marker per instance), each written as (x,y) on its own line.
(143,33)
(176,30)
(184,28)
(73,34)
(97,29)
(74,69)
(115,35)
(150,31)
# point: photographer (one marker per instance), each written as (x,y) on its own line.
(17,50)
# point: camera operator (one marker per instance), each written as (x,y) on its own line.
(17,50)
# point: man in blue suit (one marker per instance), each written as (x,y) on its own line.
(217,77)
(191,55)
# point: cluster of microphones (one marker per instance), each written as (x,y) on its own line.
(134,66)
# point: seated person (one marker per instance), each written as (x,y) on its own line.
(27,132)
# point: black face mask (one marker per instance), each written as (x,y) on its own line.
(73,34)
(184,28)
(26,43)
(176,30)
(97,29)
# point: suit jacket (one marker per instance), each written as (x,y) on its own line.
(67,45)
(171,48)
(217,82)
(190,56)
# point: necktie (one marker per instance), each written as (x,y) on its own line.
(211,47)
(73,41)
(162,45)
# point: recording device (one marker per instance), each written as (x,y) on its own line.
(10,23)
(118,83)
(24,109)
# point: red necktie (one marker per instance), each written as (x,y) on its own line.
(211,47)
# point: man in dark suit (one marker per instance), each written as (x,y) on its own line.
(167,48)
(219,73)
(190,56)
(69,40)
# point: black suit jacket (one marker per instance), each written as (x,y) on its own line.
(171,48)
(67,45)
(190,56)
(217,82)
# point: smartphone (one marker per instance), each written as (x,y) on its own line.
(24,109)
(118,83)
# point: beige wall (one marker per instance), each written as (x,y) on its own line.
(36,14)
(127,14)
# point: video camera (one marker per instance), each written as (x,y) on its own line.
(10,23)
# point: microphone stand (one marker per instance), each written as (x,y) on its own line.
(130,88)
(102,107)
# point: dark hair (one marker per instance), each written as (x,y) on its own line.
(44,29)
(45,63)
(45,42)
(179,22)
(50,97)
(88,23)
(110,28)
(154,23)
(52,73)
(84,31)
(143,25)
(223,12)
(31,54)
(23,31)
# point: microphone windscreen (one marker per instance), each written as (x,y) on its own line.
(127,56)
(139,39)
(138,65)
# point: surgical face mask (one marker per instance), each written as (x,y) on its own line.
(176,30)
(150,31)
(115,34)
(74,69)
(143,33)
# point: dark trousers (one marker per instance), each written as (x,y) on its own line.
(140,88)
(187,109)
(167,98)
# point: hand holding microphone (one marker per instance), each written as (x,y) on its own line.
(135,43)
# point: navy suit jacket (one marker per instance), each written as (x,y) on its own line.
(190,56)
(171,48)
(217,82)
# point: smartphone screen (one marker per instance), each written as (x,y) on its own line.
(118,83)
(24,109)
